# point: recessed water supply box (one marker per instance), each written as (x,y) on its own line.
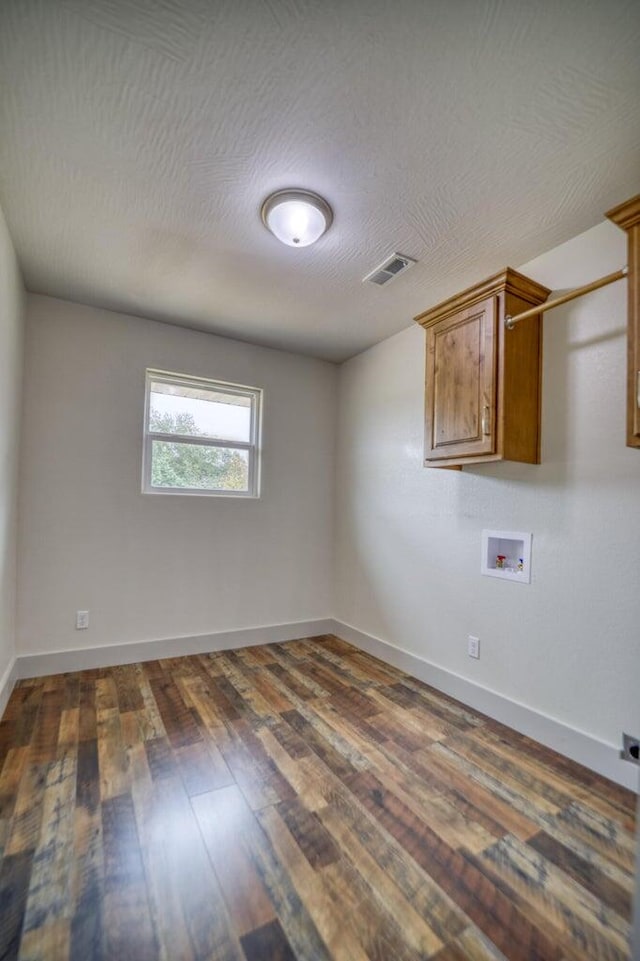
(507,554)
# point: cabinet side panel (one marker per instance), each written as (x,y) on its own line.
(521,392)
(633,377)
(627,217)
(429,363)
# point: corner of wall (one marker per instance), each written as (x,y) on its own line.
(12,308)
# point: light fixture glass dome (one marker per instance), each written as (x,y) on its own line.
(296,217)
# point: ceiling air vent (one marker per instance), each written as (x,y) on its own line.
(392,267)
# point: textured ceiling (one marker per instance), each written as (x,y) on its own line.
(138,139)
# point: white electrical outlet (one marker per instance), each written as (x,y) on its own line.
(473,646)
(82,620)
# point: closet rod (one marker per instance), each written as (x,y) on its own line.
(510,322)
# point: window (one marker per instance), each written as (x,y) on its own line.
(201,436)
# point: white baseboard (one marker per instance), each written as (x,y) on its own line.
(572,743)
(85,658)
(7,682)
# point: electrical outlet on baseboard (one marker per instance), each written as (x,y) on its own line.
(630,749)
(473,646)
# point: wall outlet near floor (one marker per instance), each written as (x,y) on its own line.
(630,749)
(473,646)
(82,620)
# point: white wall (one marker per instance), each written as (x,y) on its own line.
(408,538)
(153,566)
(11,333)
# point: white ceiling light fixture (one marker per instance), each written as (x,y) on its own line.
(296,217)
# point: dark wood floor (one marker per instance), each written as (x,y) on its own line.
(296,801)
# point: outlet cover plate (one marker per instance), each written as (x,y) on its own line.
(82,620)
(630,749)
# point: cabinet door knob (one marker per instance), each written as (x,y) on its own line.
(486,425)
(638,389)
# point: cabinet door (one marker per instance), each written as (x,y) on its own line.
(461,384)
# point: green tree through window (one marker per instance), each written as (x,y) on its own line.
(193,465)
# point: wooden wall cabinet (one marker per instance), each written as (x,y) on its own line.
(483,382)
(627,216)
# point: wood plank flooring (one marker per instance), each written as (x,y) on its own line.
(296,801)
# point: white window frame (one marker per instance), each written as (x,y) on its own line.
(253,446)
